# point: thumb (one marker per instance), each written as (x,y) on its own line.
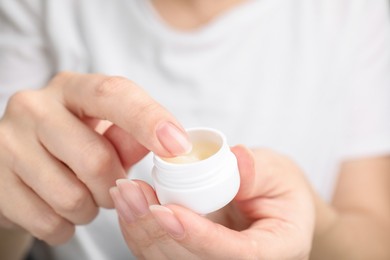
(199,235)
(246,167)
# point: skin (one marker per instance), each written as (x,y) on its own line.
(59,184)
(191,14)
(355,225)
(272,216)
(56,168)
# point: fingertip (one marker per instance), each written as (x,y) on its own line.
(122,208)
(192,222)
(167,219)
(245,159)
(113,191)
(246,166)
(173,138)
(148,191)
(241,151)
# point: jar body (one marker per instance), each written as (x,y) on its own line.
(203,186)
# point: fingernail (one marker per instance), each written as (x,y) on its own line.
(122,208)
(168,221)
(173,139)
(133,196)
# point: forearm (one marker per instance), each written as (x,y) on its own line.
(14,244)
(349,234)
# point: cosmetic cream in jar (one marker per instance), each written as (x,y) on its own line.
(204,180)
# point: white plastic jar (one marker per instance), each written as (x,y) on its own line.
(204,180)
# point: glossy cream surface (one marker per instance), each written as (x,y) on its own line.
(200,150)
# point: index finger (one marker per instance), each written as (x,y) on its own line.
(125,104)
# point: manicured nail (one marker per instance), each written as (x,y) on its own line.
(133,196)
(173,139)
(168,221)
(121,206)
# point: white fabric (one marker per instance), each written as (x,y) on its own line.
(307,78)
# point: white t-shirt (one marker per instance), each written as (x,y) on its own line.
(310,79)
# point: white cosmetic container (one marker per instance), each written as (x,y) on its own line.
(204,180)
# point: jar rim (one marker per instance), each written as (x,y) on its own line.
(198,133)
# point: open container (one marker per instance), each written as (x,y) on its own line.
(204,180)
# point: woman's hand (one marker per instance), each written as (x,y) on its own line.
(272,216)
(56,169)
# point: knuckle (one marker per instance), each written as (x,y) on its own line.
(5,139)
(154,233)
(20,101)
(74,201)
(26,102)
(98,158)
(161,236)
(47,226)
(60,78)
(147,112)
(111,85)
(63,75)
(148,108)
(145,243)
(11,145)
